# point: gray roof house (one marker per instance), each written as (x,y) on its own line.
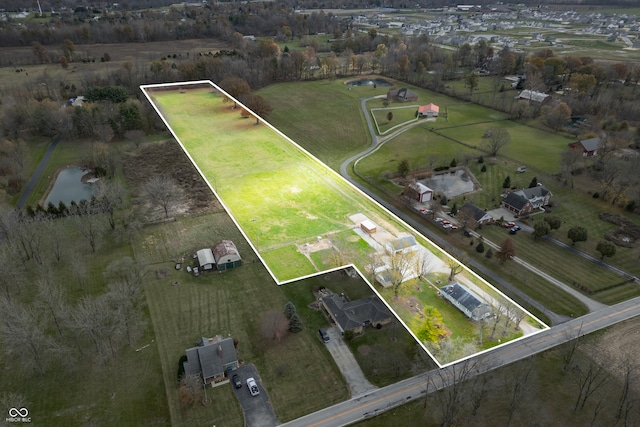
(466,301)
(525,201)
(476,214)
(211,359)
(589,147)
(355,315)
(535,97)
(402,94)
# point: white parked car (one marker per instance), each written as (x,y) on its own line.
(252,386)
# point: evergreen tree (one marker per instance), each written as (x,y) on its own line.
(507,182)
(289,310)
(295,324)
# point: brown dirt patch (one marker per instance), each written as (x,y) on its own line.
(167,158)
(364,350)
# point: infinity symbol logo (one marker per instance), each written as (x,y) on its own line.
(15,412)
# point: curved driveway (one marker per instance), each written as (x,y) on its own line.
(36,174)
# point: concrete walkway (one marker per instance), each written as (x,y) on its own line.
(347,363)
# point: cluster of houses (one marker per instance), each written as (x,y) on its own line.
(457,25)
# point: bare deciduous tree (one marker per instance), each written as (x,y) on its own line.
(497,138)
(590,375)
(112,196)
(87,221)
(52,300)
(452,382)
(274,325)
(401,264)
(164,192)
(135,136)
(519,385)
(22,333)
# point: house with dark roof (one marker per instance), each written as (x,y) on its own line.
(402,94)
(211,359)
(429,110)
(475,214)
(418,192)
(226,255)
(466,301)
(525,201)
(356,315)
(588,147)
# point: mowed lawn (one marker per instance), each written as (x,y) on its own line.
(184,308)
(278,194)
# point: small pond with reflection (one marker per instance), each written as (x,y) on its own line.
(69,187)
(369,82)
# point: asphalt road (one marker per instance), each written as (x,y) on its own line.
(36,174)
(383,399)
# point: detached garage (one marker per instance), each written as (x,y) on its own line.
(205,259)
(226,255)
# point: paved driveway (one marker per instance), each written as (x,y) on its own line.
(347,364)
(258,411)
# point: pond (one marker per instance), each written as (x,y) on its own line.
(451,184)
(369,82)
(69,187)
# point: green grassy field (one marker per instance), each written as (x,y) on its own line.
(279,195)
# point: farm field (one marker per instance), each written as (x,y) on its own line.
(279,195)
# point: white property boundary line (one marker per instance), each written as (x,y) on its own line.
(213,86)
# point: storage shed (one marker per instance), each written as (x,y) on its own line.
(205,259)
(226,255)
(368,226)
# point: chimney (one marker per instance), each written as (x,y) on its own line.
(219,351)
